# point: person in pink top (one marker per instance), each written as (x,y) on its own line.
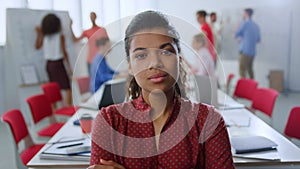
(94,33)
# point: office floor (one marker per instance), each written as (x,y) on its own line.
(284,104)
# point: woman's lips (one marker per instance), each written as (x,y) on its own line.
(157,78)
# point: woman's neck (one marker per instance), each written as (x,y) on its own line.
(160,102)
(94,24)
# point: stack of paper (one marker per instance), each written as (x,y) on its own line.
(71,149)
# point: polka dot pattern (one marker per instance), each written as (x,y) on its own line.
(197,129)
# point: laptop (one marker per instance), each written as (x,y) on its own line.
(111,92)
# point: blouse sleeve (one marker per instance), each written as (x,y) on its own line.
(215,140)
(101,139)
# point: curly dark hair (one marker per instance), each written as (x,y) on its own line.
(51,24)
(150,20)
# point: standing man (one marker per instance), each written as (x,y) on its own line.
(249,35)
(216,28)
(94,33)
(201,18)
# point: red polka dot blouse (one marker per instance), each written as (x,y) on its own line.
(194,136)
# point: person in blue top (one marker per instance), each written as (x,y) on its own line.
(249,35)
(100,71)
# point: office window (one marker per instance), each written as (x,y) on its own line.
(74,9)
(4,5)
(38,4)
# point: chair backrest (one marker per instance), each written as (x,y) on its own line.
(53,91)
(40,107)
(293,124)
(208,89)
(228,81)
(264,100)
(17,124)
(245,88)
(10,157)
(83,84)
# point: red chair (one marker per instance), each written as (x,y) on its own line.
(228,82)
(245,88)
(293,125)
(84,87)
(40,109)
(264,100)
(52,91)
(20,132)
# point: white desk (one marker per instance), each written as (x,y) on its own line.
(68,130)
(287,151)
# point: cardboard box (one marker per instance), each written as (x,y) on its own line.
(276,80)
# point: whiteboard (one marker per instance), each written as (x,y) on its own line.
(21,38)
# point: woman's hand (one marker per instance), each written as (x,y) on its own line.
(38,30)
(39,37)
(107,165)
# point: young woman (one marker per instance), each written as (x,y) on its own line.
(50,37)
(158,127)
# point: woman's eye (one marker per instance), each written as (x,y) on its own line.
(141,56)
(165,52)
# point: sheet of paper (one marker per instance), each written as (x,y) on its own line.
(54,152)
(29,74)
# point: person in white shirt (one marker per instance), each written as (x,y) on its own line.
(50,37)
(217,28)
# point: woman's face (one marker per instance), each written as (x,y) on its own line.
(154,60)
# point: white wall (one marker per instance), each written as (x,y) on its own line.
(294,81)
(1,80)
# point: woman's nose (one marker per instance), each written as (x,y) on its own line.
(155,60)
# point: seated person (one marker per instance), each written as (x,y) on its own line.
(100,71)
(158,127)
(203,63)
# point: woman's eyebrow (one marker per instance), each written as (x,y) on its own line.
(160,47)
(136,49)
(165,44)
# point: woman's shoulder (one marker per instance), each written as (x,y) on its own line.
(205,117)
(116,112)
(201,110)
(113,110)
